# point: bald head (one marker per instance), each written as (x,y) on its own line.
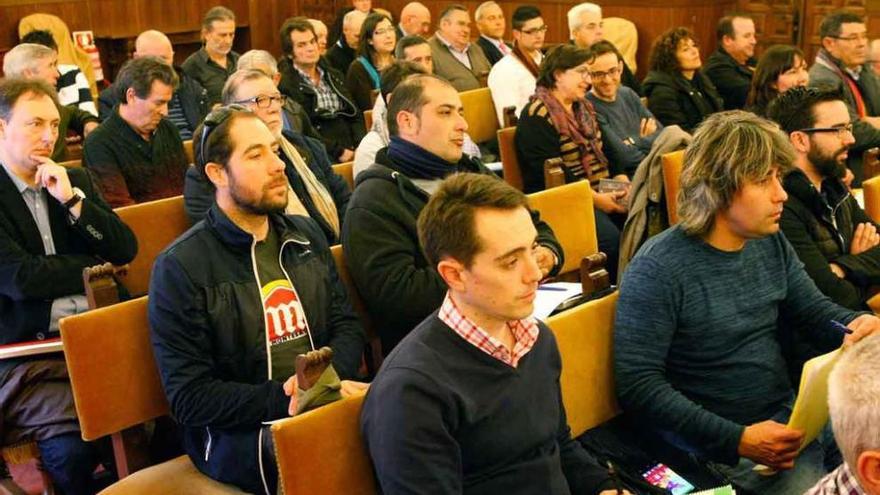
(155,44)
(415,18)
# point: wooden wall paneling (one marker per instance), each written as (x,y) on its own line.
(266,20)
(74,13)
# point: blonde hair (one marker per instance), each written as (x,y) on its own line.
(854,399)
(729,149)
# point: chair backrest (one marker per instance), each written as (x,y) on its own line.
(509,161)
(368,119)
(188,151)
(568,209)
(625,37)
(871,194)
(585,337)
(672,165)
(155,224)
(479,112)
(322,451)
(112,371)
(346,171)
(360,308)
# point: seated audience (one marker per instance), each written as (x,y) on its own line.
(344,50)
(456,59)
(314,190)
(732,64)
(336,29)
(415,20)
(189,103)
(375,52)
(400,288)
(137,154)
(470,402)
(415,49)
(237,299)
(73,87)
(53,224)
(585,29)
(697,347)
(215,61)
(841,64)
(559,122)
(678,92)
(853,388)
(512,79)
(491,24)
(319,89)
(39,62)
(831,234)
(628,128)
(780,68)
(321,33)
(293,115)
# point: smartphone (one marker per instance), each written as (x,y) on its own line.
(661,476)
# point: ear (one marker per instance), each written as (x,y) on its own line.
(130,95)
(453,273)
(2,128)
(827,43)
(868,470)
(217,175)
(407,122)
(800,141)
(516,35)
(276,78)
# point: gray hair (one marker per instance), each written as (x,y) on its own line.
(24,57)
(239,77)
(350,18)
(260,60)
(854,399)
(479,12)
(729,149)
(575,13)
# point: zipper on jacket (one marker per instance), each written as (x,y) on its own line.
(290,281)
(263,306)
(208,444)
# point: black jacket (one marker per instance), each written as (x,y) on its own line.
(730,78)
(398,285)
(208,329)
(676,101)
(340,56)
(820,227)
(30,280)
(490,50)
(193,100)
(198,192)
(340,131)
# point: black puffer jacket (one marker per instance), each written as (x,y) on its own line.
(676,101)
(820,227)
(381,243)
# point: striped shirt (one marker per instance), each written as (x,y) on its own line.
(178,118)
(73,89)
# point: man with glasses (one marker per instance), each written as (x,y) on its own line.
(238,300)
(586,29)
(841,64)
(731,66)
(832,235)
(320,89)
(628,128)
(512,79)
(314,190)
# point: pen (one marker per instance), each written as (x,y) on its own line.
(557,289)
(841,327)
(613,474)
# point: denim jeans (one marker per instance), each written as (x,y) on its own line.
(70,462)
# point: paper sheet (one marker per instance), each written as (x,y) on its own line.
(810,412)
(553,294)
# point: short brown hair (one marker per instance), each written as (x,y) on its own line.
(13,89)
(446,224)
(299,24)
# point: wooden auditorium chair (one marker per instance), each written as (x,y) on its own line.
(368,119)
(568,210)
(871,195)
(116,388)
(346,171)
(188,151)
(509,160)
(672,164)
(374,359)
(479,112)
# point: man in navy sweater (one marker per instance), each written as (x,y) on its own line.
(469,401)
(697,350)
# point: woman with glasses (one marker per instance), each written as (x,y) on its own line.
(559,122)
(375,52)
(780,68)
(678,93)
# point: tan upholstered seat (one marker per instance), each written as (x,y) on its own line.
(509,160)
(188,150)
(568,209)
(360,308)
(178,476)
(479,112)
(623,34)
(346,171)
(871,195)
(672,165)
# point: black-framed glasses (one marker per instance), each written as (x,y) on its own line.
(612,72)
(852,37)
(536,30)
(841,131)
(213,120)
(264,101)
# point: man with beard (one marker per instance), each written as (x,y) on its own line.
(831,234)
(237,300)
(215,61)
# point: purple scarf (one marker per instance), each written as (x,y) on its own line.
(580,126)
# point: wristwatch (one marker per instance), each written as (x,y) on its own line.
(78,196)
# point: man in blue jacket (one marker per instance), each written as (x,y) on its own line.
(236,299)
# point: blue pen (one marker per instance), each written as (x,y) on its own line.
(840,326)
(557,289)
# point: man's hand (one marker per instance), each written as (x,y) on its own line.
(53,177)
(608,202)
(346,156)
(290,388)
(874,121)
(771,444)
(647,127)
(545,258)
(864,238)
(861,327)
(352,388)
(89,127)
(837,270)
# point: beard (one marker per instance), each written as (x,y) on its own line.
(264,205)
(828,165)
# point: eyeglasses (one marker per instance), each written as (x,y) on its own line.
(380,32)
(852,37)
(264,101)
(612,73)
(214,120)
(841,131)
(584,73)
(542,29)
